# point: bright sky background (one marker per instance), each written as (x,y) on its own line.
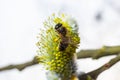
(20,21)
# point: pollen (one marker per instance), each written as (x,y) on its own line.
(56,39)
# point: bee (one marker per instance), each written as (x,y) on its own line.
(62,31)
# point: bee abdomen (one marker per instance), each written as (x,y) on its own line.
(63,46)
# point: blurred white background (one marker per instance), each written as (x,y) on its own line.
(20,21)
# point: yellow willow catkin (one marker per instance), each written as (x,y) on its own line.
(60,63)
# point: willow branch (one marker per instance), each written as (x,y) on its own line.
(20,67)
(97,53)
(94,74)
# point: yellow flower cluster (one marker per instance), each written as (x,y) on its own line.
(60,62)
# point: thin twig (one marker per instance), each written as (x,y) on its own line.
(94,74)
(20,67)
(98,53)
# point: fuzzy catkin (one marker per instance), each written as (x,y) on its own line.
(61,64)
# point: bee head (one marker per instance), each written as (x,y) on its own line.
(60,29)
(57,26)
